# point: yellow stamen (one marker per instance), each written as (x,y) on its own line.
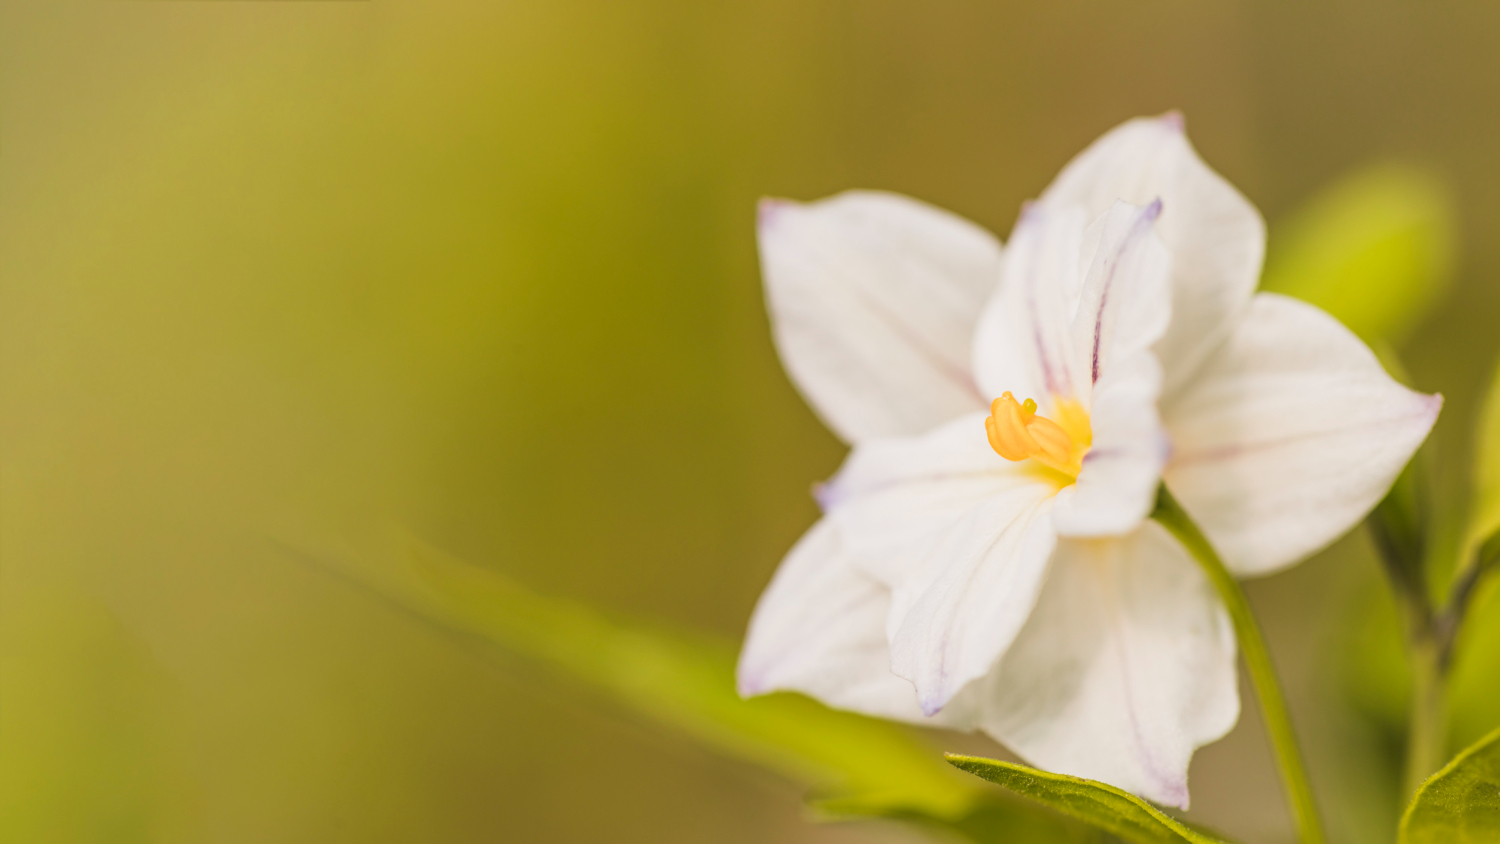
(1017,433)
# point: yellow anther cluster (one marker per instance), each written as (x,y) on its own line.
(1017,433)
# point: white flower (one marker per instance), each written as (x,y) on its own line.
(988,563)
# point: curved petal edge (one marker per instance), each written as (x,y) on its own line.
(873,299)
(1289,435)
(1126,667)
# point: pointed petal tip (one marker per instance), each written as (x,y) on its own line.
(1176,796)
(1174,120)
(752,669)
(1434,404)
(1153,210)
(769,210)
(1032,215)
(932,701)
(748,684)
(826,494)
(1031,211)
(1165,788)
(1172,787)
(1428,406)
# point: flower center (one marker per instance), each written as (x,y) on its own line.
(1017,433)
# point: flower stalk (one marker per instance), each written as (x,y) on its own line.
(1257,658)
(1431,636)
(1399,527)
(1426,743)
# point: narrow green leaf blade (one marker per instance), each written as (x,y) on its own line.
(1486,519)
(1461,803)
(1095,803)
(1375,249)
(1007,819)
(862,765)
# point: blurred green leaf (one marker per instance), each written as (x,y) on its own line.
(1008,820)
(1371,660)
(1095,803)
(1399,527)
(1375,249)
(684,681)
(862,766)
(1474,689)
(1461,803)
(91,748)
(1486,519)
(1474,685)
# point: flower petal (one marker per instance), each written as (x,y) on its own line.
(819,629)
(1117,487)
(1126,666)
(963,603)
(1056,332)
(1023,343)
(959,535)
(873,299)
(1123,309)
(1125,304)
(895,497)
(1216,237)
(1288,436)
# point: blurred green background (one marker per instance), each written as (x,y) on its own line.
(486,272)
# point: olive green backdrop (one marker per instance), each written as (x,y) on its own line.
(487,271)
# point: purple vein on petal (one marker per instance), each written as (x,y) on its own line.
(932,700)
(1138,230)
(1428,406)
(1029,217)
(1175,788)
(770,211)
(958,374)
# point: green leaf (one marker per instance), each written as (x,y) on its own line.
(1486,519)
(1010,820)
(1461,803)
(863,765)
(1095,803)
(859,766)
(1399,528)
(1375,249)
(1474,685)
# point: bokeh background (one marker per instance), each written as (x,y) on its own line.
(486,271)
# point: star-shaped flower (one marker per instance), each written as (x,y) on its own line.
(985,559)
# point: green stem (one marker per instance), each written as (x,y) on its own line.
(1426,743)
(1257,659)
(1430,639)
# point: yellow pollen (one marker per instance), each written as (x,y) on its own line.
(1017,433)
